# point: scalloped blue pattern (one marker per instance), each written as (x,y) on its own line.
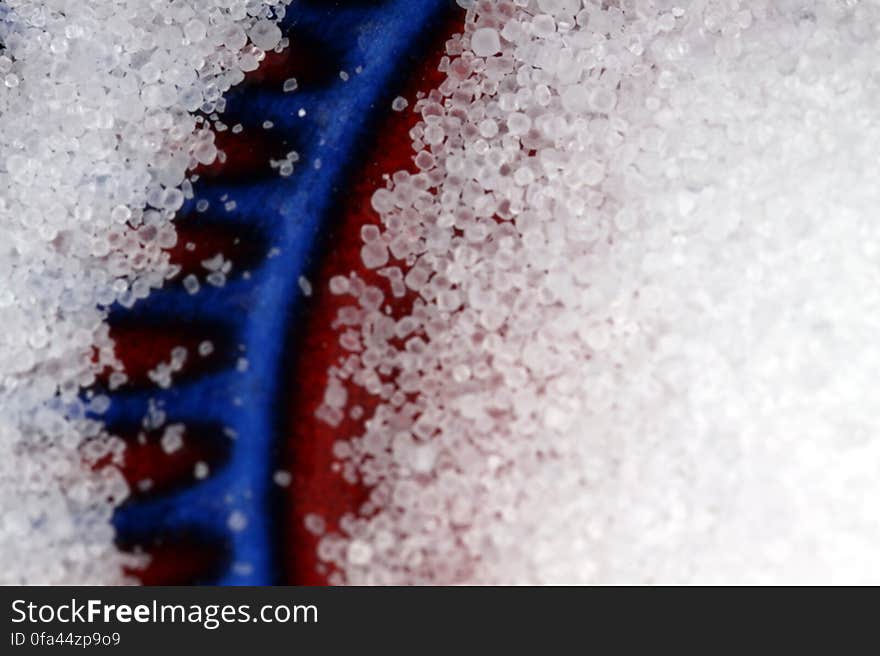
(380,37)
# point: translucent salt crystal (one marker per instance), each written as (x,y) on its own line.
(191,284)
(205,153)
(172,438)
(237,521)
(485,42)
(265,35)
(488,128)
(374,255)
(216,279)
(359,553)
(339,285)
(201,470)
(602,100)
(575,98)
(195,30)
